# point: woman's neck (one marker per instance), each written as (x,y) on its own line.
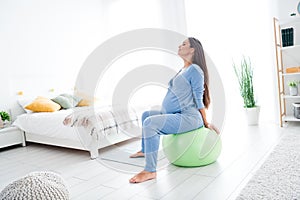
(186,64)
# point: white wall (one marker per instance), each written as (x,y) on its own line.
(230,29)
(284,9)
(122,16)
(44,43)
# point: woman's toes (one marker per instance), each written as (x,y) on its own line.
(137,155)
(142,177)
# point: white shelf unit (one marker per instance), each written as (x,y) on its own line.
(291,97)
(291,74)
(290,118)
(288,56)
(295,47)
(288,22)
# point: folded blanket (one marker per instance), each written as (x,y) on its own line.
(103,120)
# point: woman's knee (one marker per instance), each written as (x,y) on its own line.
(154,122)
(145,115)
(149,113)
(150,128)
(148,122)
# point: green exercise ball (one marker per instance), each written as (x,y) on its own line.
(192,149)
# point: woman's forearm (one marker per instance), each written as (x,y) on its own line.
(205,122)
(203,113)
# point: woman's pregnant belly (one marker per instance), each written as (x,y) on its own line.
(171,103)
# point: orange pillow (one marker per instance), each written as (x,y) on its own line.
(84,102)
(42,104)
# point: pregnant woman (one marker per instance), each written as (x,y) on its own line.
(183,108)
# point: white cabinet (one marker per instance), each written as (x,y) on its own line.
(11,136)
(287,57)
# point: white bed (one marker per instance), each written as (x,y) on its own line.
(85,128)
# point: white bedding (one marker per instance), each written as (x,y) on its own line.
(91,128)
(49,124)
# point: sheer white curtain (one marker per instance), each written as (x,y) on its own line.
(233,28)
(124,15)
(121,16)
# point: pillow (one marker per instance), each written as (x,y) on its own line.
(67,100)
(84,102)
(42,104)
(23,102)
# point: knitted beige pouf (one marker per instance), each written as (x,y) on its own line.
(36,185)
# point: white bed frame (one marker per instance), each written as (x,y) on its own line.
(93,148)
(107,140)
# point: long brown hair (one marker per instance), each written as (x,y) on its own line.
(199,59)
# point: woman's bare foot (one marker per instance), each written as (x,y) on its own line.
(143,176)
(137,155)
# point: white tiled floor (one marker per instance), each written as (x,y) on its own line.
(244,150)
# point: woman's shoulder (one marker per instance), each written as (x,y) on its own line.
(194,67)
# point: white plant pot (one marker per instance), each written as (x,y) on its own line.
(293,91)
(252,115)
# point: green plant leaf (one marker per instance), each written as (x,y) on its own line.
(4,116)
(244,74)
(293,84)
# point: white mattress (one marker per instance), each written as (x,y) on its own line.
(47,123)
(80,123)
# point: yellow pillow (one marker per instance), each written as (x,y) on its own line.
(84,102)
(42,104)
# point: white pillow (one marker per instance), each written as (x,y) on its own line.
(23,102)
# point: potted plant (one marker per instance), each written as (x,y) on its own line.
(4,118)
(244,74)
(293,88)
(298,83)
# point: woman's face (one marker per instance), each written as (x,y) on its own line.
(184,50)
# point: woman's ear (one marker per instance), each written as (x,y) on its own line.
(192,50)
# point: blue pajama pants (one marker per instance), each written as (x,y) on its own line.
(156,123)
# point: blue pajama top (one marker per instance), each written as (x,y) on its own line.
(185,91)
